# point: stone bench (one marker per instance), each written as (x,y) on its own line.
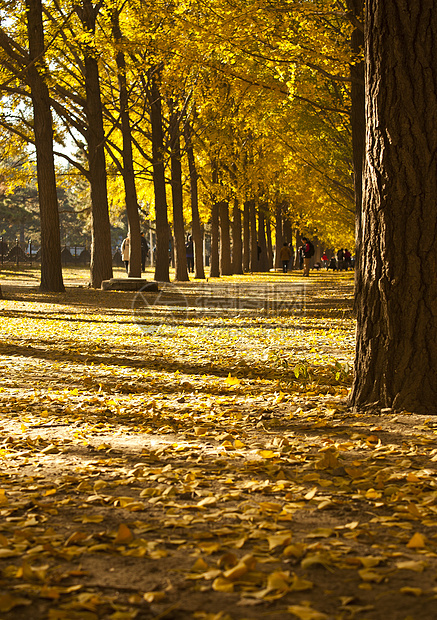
(130,284)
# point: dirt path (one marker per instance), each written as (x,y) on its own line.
(189,455)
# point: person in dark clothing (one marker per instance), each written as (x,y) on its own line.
(144,251)
(189,249)
(308,253)
(300,256)
(284,256)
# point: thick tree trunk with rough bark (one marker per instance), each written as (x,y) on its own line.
(101,255)
(181,273)
(162,228)
(396,353)
(133,217)
(225,240)
(214,263)
(51,269)
(237,245)
(199,271)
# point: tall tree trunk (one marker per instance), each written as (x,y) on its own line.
(287,232)
(133,217)
(199,271)
(101,255)
(269,244)
(253,237)
(225,240)
(246,236)
(298,243)
(262,241)
(358,124)
(162,228)
(214,263)
(396,351)
(181,273)
(51,269)
(279,239)
(237,246)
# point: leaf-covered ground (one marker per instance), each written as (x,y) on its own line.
(189,455)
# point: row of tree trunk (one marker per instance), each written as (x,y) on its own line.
(250,230)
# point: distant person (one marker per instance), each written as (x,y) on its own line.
(325,259)
(284,256)
(189,250)
(347,259)
(308,253)
(170,253)
(332,264)
(300,256)
(125,252)
(144,251)
(340,259)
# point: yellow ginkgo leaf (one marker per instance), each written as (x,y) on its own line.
(410,590)
(306,613)
(234,573)
(417,541)
(124,535)
(154,597)
(222,585)
(299,584)
(277,540)
(278,580)
(416,566)
(267,454)
(8,602)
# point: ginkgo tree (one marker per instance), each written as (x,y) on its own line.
(395,362)
(25,70)
(266,88)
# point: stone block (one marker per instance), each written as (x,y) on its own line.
(130,284)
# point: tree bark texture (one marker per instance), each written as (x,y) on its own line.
(246,236)
(396,351)
(262,240)
(269,244)
(358,124)
(253,237)
(162,228)
(279,239)
(199,270)
(225,240)
(101,255)
(214,263)
(133,218)
(237,244)
(51,268)
(181,273)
